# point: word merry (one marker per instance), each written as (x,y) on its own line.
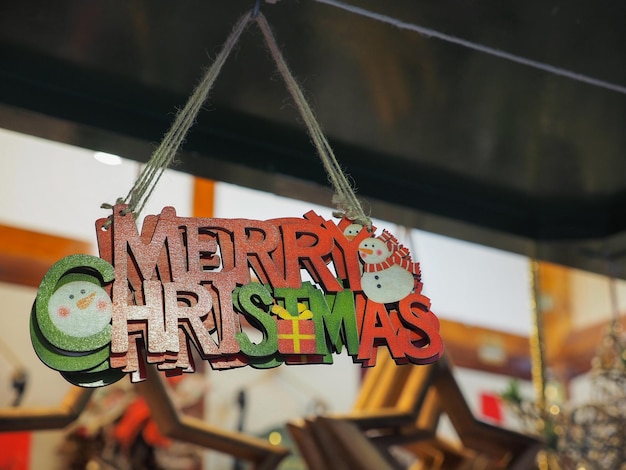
(215,283)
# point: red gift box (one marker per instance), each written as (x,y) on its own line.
(296,337)
(296,333)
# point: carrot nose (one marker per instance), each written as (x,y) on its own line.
(366,250)
(85,301)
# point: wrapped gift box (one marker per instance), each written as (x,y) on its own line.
(296,336)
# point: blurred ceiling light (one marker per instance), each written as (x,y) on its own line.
(107,158)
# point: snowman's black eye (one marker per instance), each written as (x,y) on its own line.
(71,296)
(82,291)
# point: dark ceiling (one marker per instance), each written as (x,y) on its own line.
(435,135)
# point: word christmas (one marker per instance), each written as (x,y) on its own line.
(234,289)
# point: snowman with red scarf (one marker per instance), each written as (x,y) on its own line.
(389,274)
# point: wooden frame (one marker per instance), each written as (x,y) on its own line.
(261,453)
(401,406)
(46,418)
(170,423)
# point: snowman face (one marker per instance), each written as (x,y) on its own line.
(352,231)
(373,250)
(80,309)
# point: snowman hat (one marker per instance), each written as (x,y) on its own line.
(393,244)
(391,241)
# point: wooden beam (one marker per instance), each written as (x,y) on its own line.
(176,425)
(568,351)
(203,197)
(485,349)
(556,313)
(46,418)
(575,357)
(26,256)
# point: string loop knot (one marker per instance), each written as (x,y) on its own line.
(345,198)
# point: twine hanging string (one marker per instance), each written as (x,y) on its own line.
(344,198)
(167,150)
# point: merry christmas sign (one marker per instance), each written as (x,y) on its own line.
(238,291)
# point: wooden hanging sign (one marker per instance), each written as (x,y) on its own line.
(239,291)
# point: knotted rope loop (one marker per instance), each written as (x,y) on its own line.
(344,198)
